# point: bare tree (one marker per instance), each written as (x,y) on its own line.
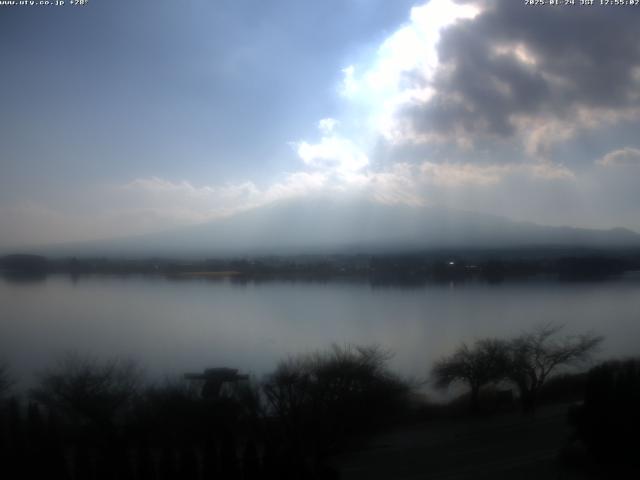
(88,390)
(320,399)
(535,355)
(477,365)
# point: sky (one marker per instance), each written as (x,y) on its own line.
(119,118)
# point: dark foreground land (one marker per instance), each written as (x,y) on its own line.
(509,446)
(337,414)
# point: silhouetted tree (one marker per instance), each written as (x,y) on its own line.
(170,412)
(83,462)
(535,355)
(36,442)
(5,381)
(16,453)
(250,462)
(168,469)
(477,365)
(609,419)
(55,463)
(210,464)
(228,455)
(320,399)
(271,462)
(188,463)
(144,462)
(87,390)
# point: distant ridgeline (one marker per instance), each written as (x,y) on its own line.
(23,263)
(418,267)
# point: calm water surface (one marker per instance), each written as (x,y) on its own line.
(175,326)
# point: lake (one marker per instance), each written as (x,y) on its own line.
(174,326)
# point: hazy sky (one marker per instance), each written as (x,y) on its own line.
(122,117)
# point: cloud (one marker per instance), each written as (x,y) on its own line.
(470,103)
(453,175)
(429,183)
(625,157)
(481,104)
(402,64)
(349,87)
(496,75)
(327,125)
(537,76)
(332,153)
(199,204)
(146,205)
(457,175)
(178,203)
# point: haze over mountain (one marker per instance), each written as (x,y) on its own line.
(322,225)
(218,108)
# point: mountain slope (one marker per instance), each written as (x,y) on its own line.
(322,225)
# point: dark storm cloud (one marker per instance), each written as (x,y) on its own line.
(517,62)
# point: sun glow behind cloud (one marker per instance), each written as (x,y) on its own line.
(383,84)
(338,162)
(373,90)
(464,105)
(333,153)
